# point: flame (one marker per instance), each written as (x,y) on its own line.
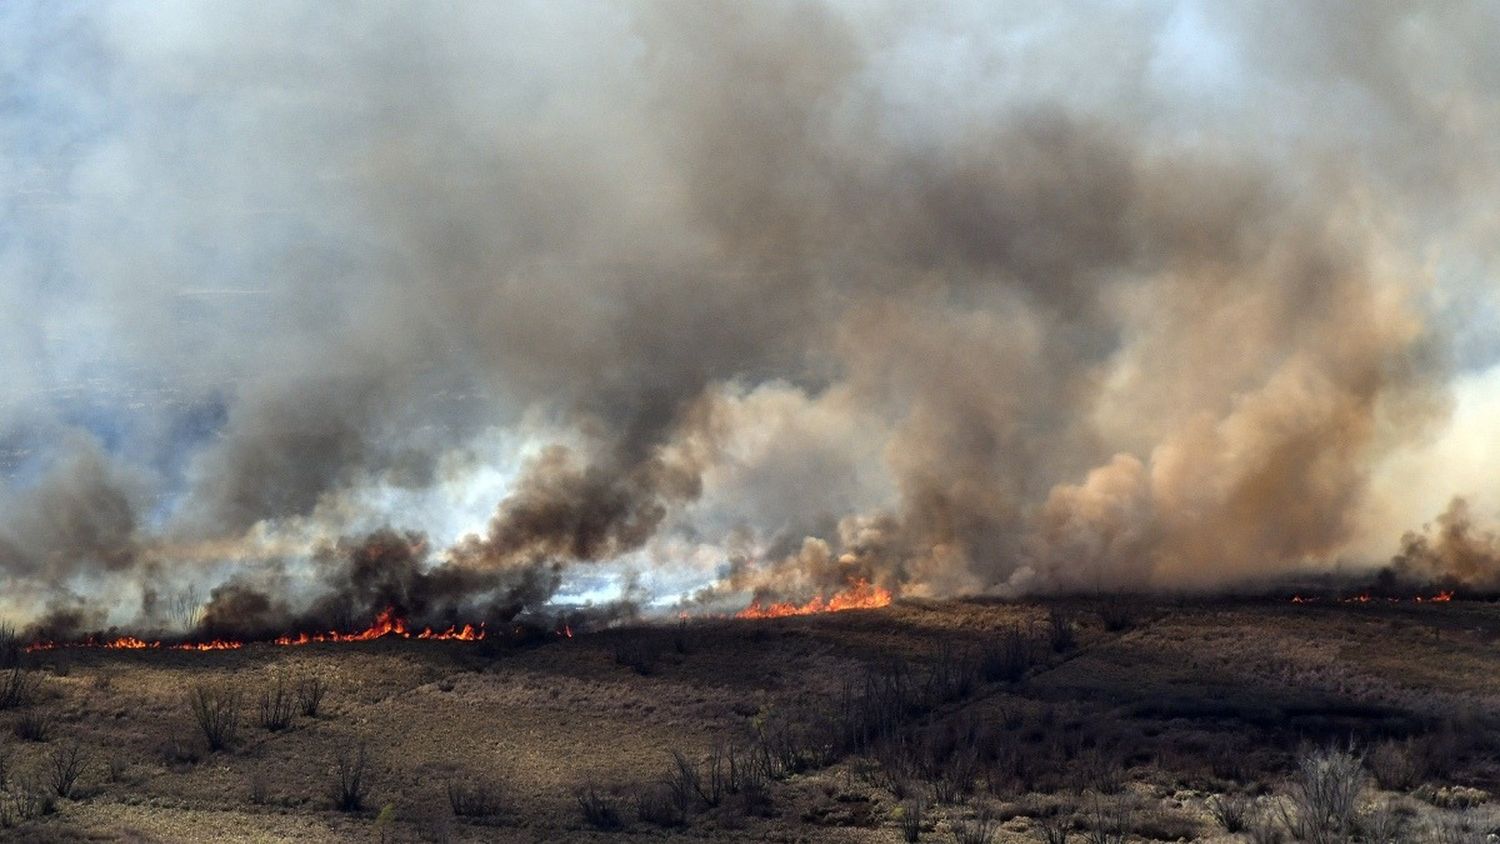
(1441,597)
(861,595)
(387,623)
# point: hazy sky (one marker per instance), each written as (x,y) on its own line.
(969,296)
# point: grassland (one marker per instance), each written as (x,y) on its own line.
(967,721)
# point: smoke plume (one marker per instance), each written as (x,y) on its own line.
(487,308)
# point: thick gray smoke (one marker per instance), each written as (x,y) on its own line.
(735,298)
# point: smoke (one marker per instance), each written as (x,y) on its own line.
(760,299)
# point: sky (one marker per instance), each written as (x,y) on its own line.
(691,302)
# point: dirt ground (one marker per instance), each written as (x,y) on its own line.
(1144,716)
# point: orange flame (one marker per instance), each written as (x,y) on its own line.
(387,623)
(1441,597)
(861,595)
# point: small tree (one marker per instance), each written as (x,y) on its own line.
(64,766)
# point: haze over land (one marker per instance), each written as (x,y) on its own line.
(688,304)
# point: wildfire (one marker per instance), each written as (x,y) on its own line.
(387,623)
(1441,597)
(861,595)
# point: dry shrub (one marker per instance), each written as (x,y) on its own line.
(910,816)
(351,780)
(1396,765)
(1007,657)
(1231,811)
(598,807)
(34,725)
(64,766)
(475,797)
(1060,633)
(637,654)
(1324,796)
(19,687)
(276,706)
(1118,615)
(658,804)
(310,692)
(29,800)
(216,709)
(979,829)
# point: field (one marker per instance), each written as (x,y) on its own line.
(966,721)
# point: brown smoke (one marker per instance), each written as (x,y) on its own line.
(990,299)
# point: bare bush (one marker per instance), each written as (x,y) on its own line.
(1118,615)
(980,829)
(351,780)
(1060,633)
(11,646)
(1324,796)
(34,725)
(475,797)
(1384,823)
(19,687)
(310,692)
(1108,822)
(658,804)
(216,709)
(598,807)
(30,799)
(1053,828)
(1396,765)
(276,706)
(637,654)
(259,787)
(1231,811)
(910,814)
(64,766)
(1006,657)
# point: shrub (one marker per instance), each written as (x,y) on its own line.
(310,691)
(1052,827)
(1060,631)
(64,766)
(351,782)
(276,706)
(1117,615)
(910,816)
(18,687)
(657,804)
(216,709)
(1108,822)
(979,829)
(28,801)
(598,808)
(258,788)
(474,798)
(1396,765)
(11,646)
(1230,811)
(34,725)
(1324,796)
(636,654)
(1006,657)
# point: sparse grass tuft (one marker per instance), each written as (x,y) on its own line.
(34,725)
(19,687)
